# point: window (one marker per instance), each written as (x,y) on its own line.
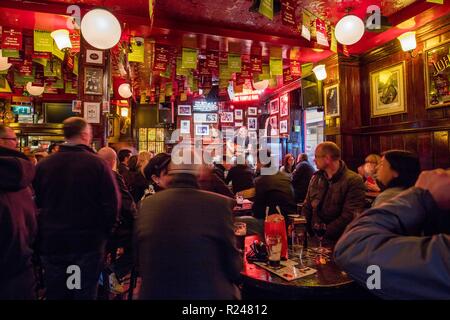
(151,139)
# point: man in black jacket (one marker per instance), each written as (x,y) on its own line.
(78,199)
(17,221)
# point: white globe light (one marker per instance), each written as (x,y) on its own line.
(261,85)
(125,90)
(101,29)
(4,65)
(34,90)
(349,30)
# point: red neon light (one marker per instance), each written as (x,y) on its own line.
(247,97)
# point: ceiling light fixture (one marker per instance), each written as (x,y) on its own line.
(408,42)
(62,39)
(101,29)
(349,30)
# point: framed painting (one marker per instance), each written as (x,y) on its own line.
(331,100)
(437,75)
(387,91)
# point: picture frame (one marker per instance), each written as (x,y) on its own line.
(77,106)
(273,121)
(274,106)
(92,112)
(238,124)
(437,73)
(284,105)
(94,57)
(253,135)
(185,126)
(206,117)
(387,91)
(238,114)
(184,110)
(284,126)
(93,81)
(252,111)
(227,117)
(202,130)
(252,123)
(110,129)
(331,100)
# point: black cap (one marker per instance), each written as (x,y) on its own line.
(406,164)
(157,164)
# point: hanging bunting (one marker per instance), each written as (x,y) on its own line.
(234,63)
(189,58)
(306,69)
(288,12)
(137,50)
(345,50)
(266,8)
(321,32)
(246,71)
(161,58)
(26,68)
(306,25)
(224,72)
(436,1)
(333,46)
(11,39)
(265,75)
(57,53)
(256,59)
(181,71)
(75,65)
(276,67)
(76,41)
(203,70)
(295,68)
(288,77)
(43,42)
(10,53)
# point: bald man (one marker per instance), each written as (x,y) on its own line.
(335,194)
(122,236)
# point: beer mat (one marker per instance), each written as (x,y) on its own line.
(289,272)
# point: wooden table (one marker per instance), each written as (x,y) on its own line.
(329,282)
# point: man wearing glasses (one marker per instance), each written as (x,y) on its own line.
(17,220)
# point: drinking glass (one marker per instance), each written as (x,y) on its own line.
(273,242)
(240,231)
(320,229)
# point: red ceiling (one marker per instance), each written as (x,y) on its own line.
(218,23)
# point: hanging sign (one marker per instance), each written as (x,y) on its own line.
(234,62)
(288,77)
(266,8)
(321,32)
(224,72)
(212,60)
(265,75)
(276,67)
(43,42)
(189,58)
(306,25)
(11,39)
(137,50)
(288,12)
(333,46)
(26,68)
(57,53)
(306,69)
(161,58)
(295,68)
(76,41)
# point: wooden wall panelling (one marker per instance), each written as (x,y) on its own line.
(425,149)
(441,150)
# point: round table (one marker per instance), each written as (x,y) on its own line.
(329,282)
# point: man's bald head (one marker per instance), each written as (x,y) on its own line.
(109,155)
(8,137)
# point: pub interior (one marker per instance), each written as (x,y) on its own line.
(224,150)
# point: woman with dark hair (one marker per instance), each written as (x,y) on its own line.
(397,171)
(156,171)
(288,165)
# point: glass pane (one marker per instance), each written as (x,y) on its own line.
(142,146)
(160,134)
(314,132)
(151,134)
(143,134)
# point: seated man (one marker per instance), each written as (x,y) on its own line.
(241,177)
(335,194)
(413,261)
(272,191)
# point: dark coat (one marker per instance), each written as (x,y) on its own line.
(78,199)
(241,178)
(408,238)
(271,191)
(300,180)
(187,244)
(125,173)
(334,202)
(18,226)
(137,185)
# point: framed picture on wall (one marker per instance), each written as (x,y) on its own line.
(185,126)
(238,124)
(226,117)
(283,126)
(252,123)
(94,56)
(437,76)
(202,130)
(284,105)
(252,111)
(331,94)
(93,81)
(92,112)
(205,117)
(238,114)
(274,106)
(387,91)
(184,110)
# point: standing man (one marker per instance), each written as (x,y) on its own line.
(78,199)
(17,220)
(335,194)
(301,177)
(124,156)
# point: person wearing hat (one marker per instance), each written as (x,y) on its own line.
(186,240)
(397,171)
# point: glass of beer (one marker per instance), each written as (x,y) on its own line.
(240,231)
(273,242)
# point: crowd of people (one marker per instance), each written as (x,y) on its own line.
(78,207)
